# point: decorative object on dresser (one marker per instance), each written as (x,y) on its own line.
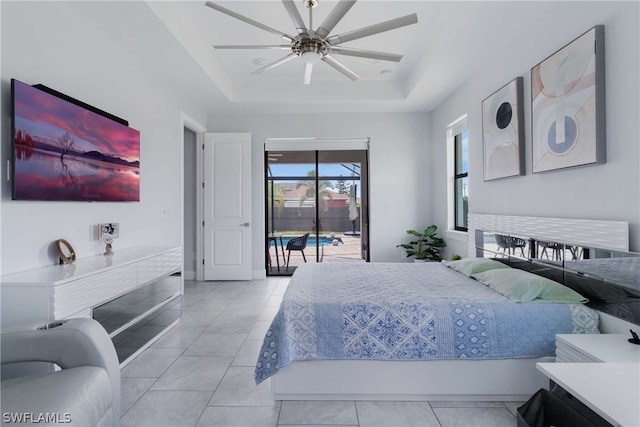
(568,105)
(65,251)
(107,232)
(503,132)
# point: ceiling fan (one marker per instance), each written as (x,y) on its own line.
(312,46)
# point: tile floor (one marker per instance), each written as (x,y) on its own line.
(201,374)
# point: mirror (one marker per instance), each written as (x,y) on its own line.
(609,279)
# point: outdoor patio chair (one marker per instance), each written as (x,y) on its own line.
(554,248)
(297,244)
(509,244)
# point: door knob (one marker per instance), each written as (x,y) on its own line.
(246,224)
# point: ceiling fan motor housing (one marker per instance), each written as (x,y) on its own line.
(310,50)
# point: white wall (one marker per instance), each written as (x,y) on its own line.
(399,178)
(609,191)
(52,44)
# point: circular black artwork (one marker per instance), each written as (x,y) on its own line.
(503,116)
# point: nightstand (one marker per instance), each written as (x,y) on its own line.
(602,371)
(589,348)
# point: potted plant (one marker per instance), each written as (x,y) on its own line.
(426,246)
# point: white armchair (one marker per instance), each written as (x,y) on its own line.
(85,392)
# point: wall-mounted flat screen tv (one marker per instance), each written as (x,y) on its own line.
(63,150)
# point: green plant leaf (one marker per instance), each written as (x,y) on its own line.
(427,246)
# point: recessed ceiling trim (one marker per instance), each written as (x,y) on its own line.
(316,143)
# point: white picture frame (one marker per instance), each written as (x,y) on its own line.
(109,230)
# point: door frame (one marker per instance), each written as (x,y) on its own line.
(318,145)
(190,123)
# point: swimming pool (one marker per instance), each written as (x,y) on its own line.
(311,241)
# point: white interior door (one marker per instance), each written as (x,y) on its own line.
(227,206)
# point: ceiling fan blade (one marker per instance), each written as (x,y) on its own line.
(275,63)
(250,21)
(392,24)
(334,17)
(308,68)
(340,67)
(362,53)
(295,16)
(252,46)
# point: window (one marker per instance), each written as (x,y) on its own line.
(458,175)
(461,181)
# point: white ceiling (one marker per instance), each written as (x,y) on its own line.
(451,40)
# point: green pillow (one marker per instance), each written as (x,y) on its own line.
(522,286)
(469,266)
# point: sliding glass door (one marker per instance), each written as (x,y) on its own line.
(317,208)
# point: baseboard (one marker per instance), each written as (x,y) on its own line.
(258,274)
(255,275)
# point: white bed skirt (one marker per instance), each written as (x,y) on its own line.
(448,380)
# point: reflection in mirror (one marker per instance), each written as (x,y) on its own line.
(622,268)
(511,245)
(549,250)
(609,279)
(502,245)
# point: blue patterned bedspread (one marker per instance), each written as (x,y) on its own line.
(392,311)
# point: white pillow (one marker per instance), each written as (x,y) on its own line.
(469,266)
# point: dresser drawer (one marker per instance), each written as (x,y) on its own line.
(90,291)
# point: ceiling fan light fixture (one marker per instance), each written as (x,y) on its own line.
(310,57)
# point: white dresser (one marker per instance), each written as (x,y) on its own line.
(135,289)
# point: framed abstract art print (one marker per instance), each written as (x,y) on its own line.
(568,105)
(503,132)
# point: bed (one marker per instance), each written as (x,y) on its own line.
(458,375)
(383,331)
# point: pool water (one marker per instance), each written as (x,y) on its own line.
(311,241)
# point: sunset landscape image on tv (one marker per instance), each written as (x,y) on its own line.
(63,151)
